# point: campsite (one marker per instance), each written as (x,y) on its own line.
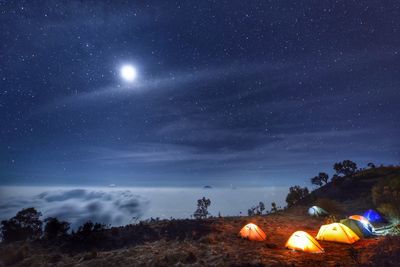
(216,243)
(223,133)
(289,237)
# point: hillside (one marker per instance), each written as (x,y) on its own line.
(215,241)
(353,192)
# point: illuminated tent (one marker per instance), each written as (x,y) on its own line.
(372,216)
(337,232)
(364,221)
(317,211)
(303,241)
(357,227)
(252,232)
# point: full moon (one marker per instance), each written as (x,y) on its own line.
(128,73)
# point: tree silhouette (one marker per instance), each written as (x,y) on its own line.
(320,179)
(273,207)
(55,228)
(202,208)
(23,226)
(295,194)
(346,167)
(261,207)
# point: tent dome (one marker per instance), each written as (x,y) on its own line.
(372,216)
(304,242)
(337,232)
(252,232)
(364,221)
(357,227)
(317,211)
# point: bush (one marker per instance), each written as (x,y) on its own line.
(89,235)
(55,228)
(256,210)
(386,197)
(296,193)
(25,225)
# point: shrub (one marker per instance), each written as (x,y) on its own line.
(296,193)
(386,197)
(256,210)
(89,235)
(24,225)
(55,228)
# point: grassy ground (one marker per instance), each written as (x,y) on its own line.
(214,242)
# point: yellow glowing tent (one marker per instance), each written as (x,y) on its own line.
(252,232)
(337,232)
(303,241)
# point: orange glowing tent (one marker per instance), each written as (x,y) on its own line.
(252,232)
(303,241)
(337,232)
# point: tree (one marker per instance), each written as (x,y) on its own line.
(89,235)
(324,177)
(320,179)
(256,210)
(295,194)
(251,211)
(88,227)
(273,207)
(346,167)
(316,181)
(55,228)
(23,226)
(202,208)
(261,207)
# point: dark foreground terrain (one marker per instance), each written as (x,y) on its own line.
(215,241)
(212,242)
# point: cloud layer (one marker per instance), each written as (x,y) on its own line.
(114,207)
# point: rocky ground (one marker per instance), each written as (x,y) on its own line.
(213,242)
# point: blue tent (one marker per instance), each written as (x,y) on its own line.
(372,216)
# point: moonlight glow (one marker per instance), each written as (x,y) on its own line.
(128,73)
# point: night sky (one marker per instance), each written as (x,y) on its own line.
(226,92)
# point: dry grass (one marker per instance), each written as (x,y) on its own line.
(219,245)
(14,253)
